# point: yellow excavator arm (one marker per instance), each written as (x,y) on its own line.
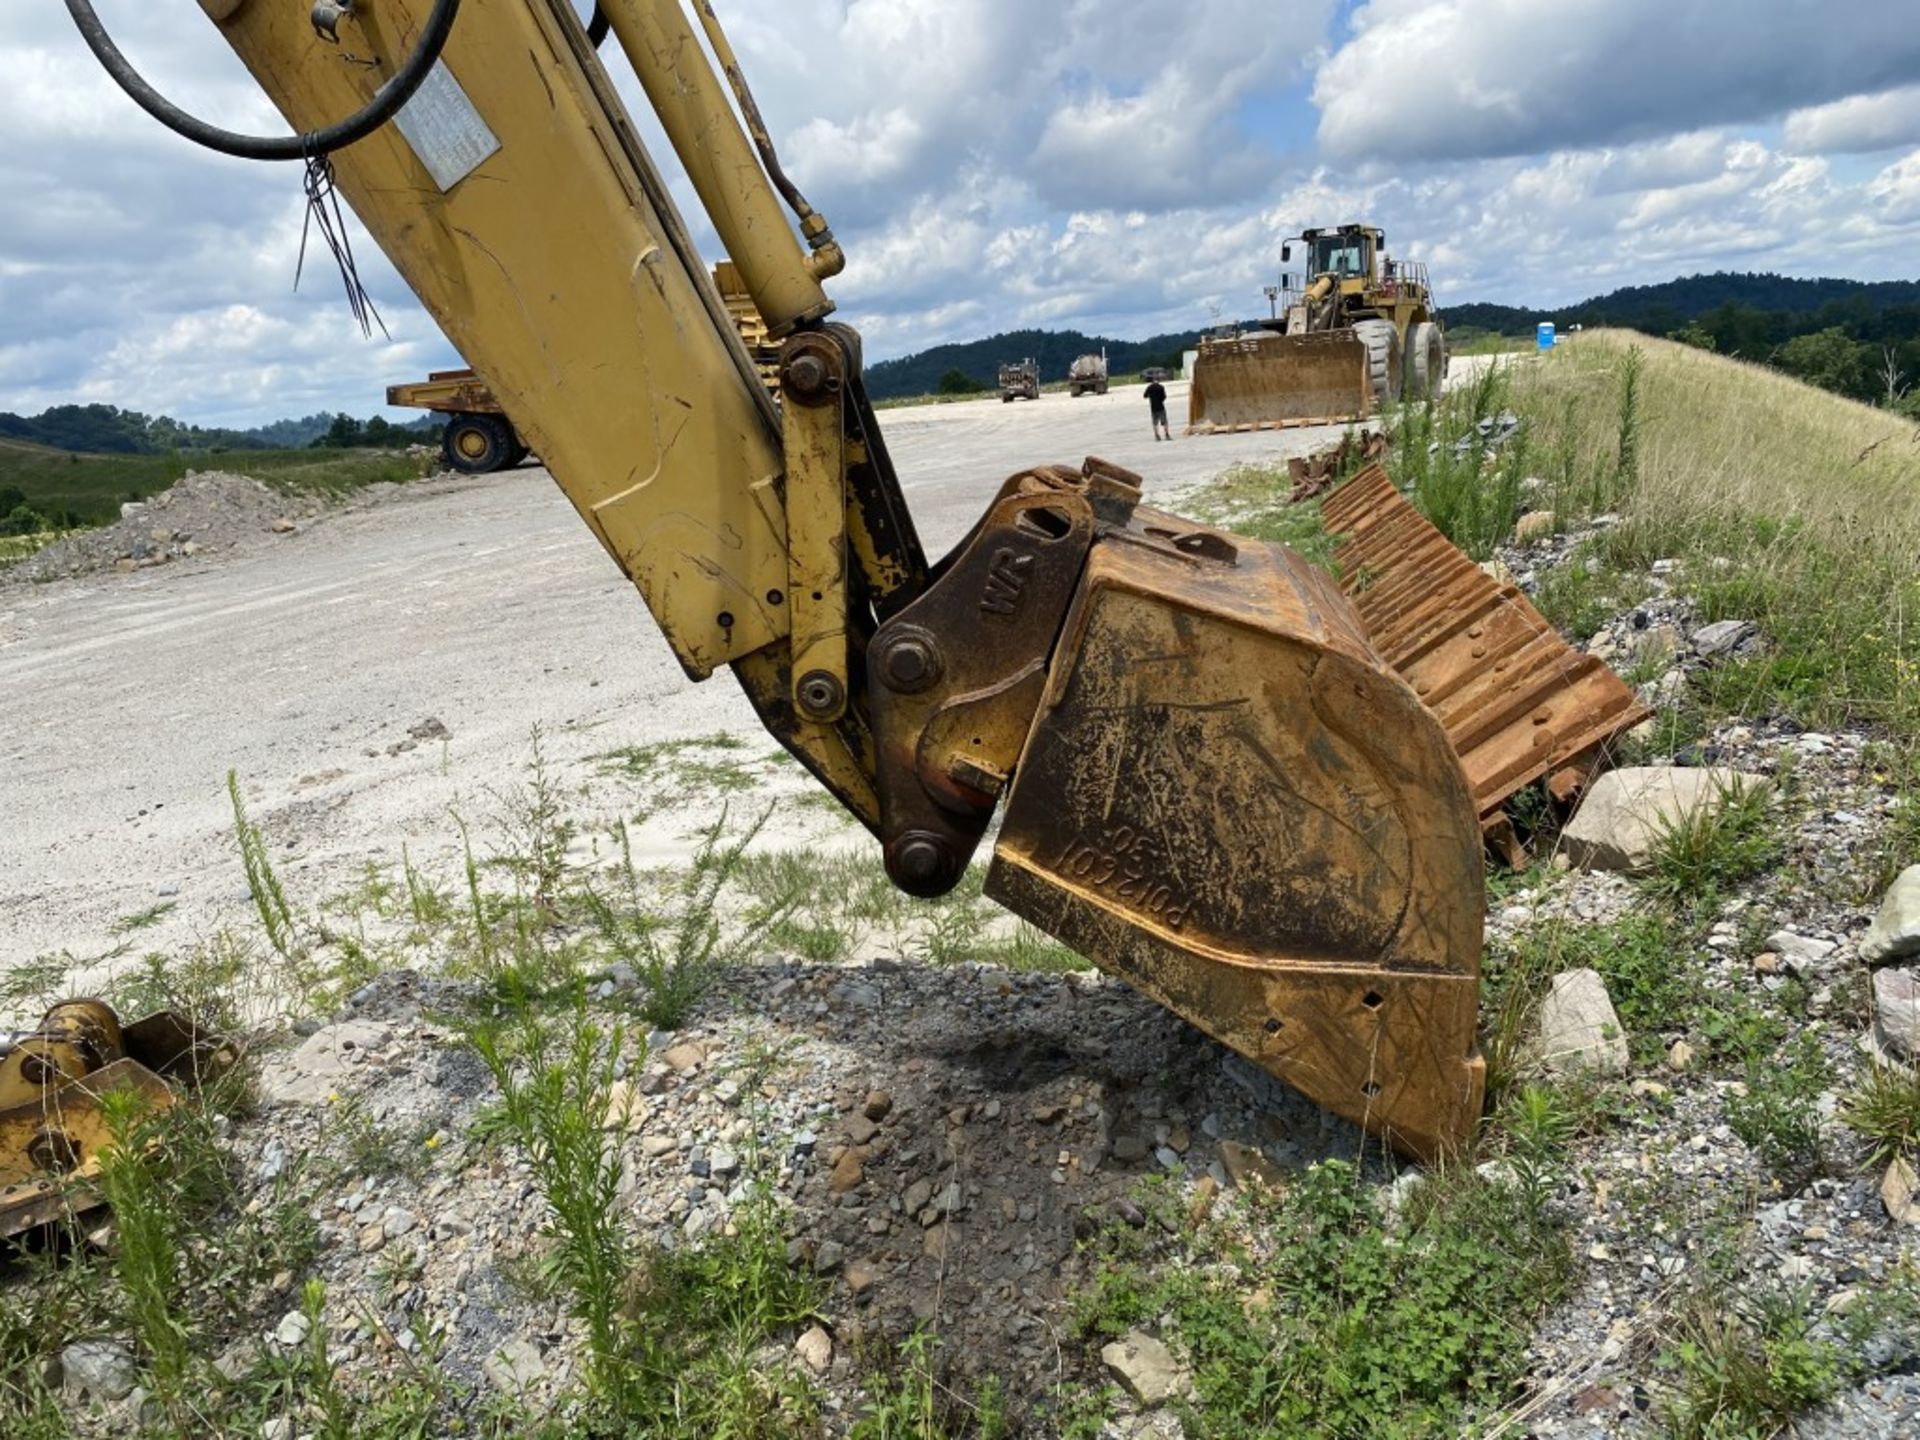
(1214,784)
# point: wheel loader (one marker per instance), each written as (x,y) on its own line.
(1256,795)
(1361,333)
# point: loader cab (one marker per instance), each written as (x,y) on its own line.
(1346,253)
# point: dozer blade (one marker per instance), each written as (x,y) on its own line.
(1271,382)
(1230,800)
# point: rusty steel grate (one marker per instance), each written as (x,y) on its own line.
(1517,701)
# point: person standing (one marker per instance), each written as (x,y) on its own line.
(1157,403)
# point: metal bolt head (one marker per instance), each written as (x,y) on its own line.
(806,375)
(921,860)
(912,664)
(819,693)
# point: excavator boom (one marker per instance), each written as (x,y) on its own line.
(1214,783)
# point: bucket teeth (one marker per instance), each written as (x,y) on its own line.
(1516,700)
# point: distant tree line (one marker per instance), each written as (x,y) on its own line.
(109,430)
(1856,338)
(975,364)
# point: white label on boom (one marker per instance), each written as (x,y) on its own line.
(444,129)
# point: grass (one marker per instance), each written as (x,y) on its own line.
(1885,1108)
(1746,1365)
(91,488)
(1251,500)
(906,1400)
(827,907)
(1316,1318)
(1781,504)
(706,762)
(1659,987)
(1730,836)
(1777,1113)
(1470,492)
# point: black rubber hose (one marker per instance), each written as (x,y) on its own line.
(382,108)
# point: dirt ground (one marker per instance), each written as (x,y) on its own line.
(303,662)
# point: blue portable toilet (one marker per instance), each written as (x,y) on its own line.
(1544,334)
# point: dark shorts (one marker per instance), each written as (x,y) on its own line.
(1159,414)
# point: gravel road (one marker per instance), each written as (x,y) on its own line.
(302,663)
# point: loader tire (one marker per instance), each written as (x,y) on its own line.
(1383,360)
(1426,361)
(477,444)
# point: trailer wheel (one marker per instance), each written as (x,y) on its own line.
(477,444)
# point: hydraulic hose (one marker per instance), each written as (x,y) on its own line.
(382,108)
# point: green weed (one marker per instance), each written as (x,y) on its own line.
(1442,462)
(1330,1326)
(269,900)
(1746,1365)
(676,940)
(1779,1115)
(1727,837)
(1885,1108)
(555,1097)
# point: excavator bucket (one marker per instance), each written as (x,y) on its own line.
(1262,795)
(1273,382)
(53,1126)
(1230,800)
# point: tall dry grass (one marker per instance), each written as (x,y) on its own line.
(1781,503)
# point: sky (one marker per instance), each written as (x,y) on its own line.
(1125,167)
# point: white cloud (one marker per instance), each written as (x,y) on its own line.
(1447,79)
(1857,124)
(1114,165)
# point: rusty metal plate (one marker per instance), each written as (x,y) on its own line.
(1517,701)
(1273,382)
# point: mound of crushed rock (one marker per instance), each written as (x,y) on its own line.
(204,511)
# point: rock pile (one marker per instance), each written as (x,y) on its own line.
(201,513)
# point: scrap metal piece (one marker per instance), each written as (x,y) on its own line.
(1313,475)
(53,1127)
(1517,701)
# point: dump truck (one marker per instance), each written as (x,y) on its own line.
(1088,375)
(1019,380)
(1257,793)
(479,438)
(1359,333)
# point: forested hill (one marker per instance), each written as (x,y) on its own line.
(109,430)
(1674,304)
(980,360)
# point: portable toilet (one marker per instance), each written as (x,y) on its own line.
(1544,334)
